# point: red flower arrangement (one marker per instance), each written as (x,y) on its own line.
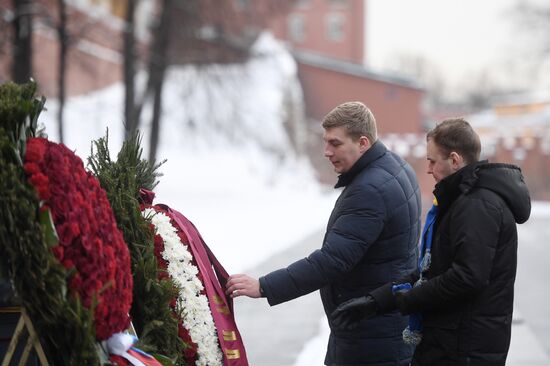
(90,243)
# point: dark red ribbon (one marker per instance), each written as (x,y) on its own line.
(215,277)
(146,197)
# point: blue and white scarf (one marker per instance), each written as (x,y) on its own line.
(413,333)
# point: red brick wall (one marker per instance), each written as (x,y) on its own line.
(85,72)
(94,58)
(532,155)
(396,108)
(314,13)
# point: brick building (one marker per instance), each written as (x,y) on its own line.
(94,58)
(516,129)
(204,31)
(328,38)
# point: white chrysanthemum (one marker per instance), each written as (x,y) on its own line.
(192,305)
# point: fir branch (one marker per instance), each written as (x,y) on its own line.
(19,112)
(122,179)
(131,155)
(64,325)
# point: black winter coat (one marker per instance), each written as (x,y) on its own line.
(371,238)
(467,301)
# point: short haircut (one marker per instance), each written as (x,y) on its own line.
(456,134)
(356,118)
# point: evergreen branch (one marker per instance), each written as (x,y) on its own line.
(157,328)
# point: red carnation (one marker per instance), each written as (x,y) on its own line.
(41,183)
(191,351)
(88,235)
(31,168)
(35,150)
(58,252)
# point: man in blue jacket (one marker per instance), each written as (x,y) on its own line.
(371,239)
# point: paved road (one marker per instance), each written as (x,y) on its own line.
(532,292)
(275,336)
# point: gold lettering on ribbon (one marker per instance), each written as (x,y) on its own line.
(223,310)
(229,335)
(218,300)
(221,307)
(232,354)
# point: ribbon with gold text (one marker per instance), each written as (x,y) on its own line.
(221,306)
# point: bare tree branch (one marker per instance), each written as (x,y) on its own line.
(22,41)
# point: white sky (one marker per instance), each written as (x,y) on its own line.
(459,36)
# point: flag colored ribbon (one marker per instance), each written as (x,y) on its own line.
(120,344)
(215,277)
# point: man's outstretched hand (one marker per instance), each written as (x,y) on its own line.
(242,285)
(348,314)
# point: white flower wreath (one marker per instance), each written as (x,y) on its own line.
(192,306)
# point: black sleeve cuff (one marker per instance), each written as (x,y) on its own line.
(262,293)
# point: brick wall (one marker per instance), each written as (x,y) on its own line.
(94,59)
(315,14)
(531,154)
(397,107)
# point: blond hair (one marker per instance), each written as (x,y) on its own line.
(355,117)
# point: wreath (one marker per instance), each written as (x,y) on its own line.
(60,245)
(90,245)
(196,325)
(153,319)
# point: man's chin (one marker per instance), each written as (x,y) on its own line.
(338,168)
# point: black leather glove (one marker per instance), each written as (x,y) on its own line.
(399,298)
(348,314)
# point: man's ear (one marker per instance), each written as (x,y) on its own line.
(364,144)
(457,161)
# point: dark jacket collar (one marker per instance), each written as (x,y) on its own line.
(505,180)
(452,186)
(376,150)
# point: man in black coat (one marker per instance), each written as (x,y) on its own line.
(371,238)
(464,298)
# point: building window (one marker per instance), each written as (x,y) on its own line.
(334,27)
(302,3)
(242,4)
(339,3)
(297,28)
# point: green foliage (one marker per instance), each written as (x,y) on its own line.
(27,234)
(155,325)
(19,111)
(144,172)
(63,324)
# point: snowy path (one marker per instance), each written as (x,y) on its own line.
(275,336)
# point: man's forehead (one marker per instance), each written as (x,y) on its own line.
(334,133)
(432,150)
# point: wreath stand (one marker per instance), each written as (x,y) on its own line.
(24,325)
